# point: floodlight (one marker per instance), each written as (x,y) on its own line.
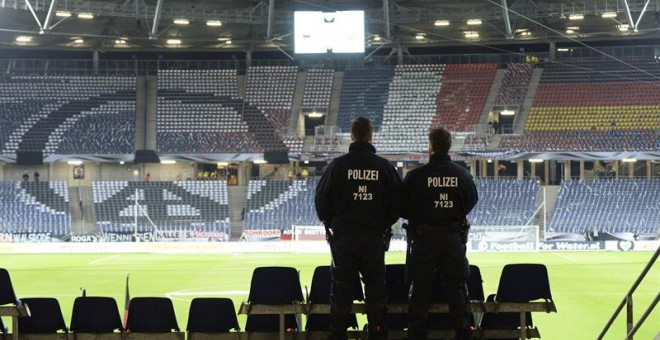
(576,16)
(474,22)
(181,21)
(63,14)
(215,23)
(174,41)
(441,23)
(85,15)
(23,38)
(608,15)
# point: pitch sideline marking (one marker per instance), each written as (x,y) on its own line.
(567,258)
(178,295)
(103,259)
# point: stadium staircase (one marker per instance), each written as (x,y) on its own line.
(333,112)
(523,113)
(296,107)
(492,96)
(237,196)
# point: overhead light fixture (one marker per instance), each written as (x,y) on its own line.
(23,38)
(606,15)
(168,161)
(174,41)
(306,161)
(223,163)
(78,41)
(120,42)
(535,160)
(623,27)
(259,161)
(629,160)
(377,38)
(228,42)
(74,162)
(471,34)
(525,33)
(63,14)
(574,28)
(85,15)
(570,31)
(441,23)
(181,21)
(576,16)
(214,23)
(122,162)
(507,112)
(420,36)
(563,49)
(474,22)
(315,114)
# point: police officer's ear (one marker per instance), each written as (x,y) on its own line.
(431,151)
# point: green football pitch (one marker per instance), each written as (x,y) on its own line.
(586,286)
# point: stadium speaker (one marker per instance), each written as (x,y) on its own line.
(276,157)
(29,157)
(146,156)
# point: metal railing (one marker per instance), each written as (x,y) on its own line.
(632,328)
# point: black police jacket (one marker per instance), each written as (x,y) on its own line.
(438,192)
(359,189)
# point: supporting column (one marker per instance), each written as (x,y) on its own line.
(546,172)
(473,168)
(495,169)
(521,170)
(271,15)
(581,170)
(507,22)
(386,16)
(631,169)
(552,51)
(532,169)
(649,169)
(483,169)
(615,167)
(154,28)
(567,170)
(95,62)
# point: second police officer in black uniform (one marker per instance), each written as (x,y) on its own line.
(437,198)
(358,199)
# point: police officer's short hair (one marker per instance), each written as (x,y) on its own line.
(361,129)
(440,140)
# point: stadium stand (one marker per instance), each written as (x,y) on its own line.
(318,89)
(463,95)
(605,204)
(67,114)
(410,108)
(271,89)
(275,204)
(364,93)
(35,207)
(504,202)
(593,105)
(197,207)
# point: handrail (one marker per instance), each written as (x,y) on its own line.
(627,300)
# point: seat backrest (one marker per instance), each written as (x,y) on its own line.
(475,286)
(319,291)
(523,282)
(46,317)
(212,315)
(273,285)
(95,314)
(7,295)
(151,315)
(397,287)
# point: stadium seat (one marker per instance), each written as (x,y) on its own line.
(319,293)
(273,286)
(524,282)
(46,317)
(7,295)
(152,315)
(397,292)
(96,315)
(475,289)
(518,283)
(211,315)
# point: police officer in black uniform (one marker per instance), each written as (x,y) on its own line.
(437,198)
(358,199)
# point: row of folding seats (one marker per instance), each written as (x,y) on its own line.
(583,140)
(519,283)
(318,88)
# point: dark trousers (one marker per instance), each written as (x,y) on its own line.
(441,251)
(358,251)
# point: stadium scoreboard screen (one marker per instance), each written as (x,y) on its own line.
(335,33)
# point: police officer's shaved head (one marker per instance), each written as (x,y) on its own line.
(361,130)
(439,141)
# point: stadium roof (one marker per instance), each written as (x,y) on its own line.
(114,25)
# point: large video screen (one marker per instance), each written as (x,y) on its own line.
(328,32)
